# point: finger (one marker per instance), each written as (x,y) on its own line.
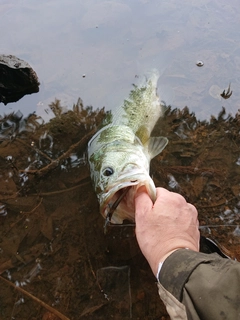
(162,194)
(143,203)
(193,210)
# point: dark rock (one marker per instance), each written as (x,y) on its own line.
(17,79)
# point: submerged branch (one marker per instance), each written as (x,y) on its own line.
(61,191)
(43,304)
(54,163)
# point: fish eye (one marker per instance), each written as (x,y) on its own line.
(108,171)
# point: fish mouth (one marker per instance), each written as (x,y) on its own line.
(125,189)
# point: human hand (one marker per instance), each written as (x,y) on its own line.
(165,226)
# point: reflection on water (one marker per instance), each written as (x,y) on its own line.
(112,41)
(52,242)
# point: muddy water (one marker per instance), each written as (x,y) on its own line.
(52,244)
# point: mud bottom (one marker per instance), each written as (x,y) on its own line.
(115,284)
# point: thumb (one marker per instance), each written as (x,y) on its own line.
(143,203)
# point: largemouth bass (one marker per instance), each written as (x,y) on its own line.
(119,154)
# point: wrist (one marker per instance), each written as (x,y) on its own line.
(160,263)
(157,267)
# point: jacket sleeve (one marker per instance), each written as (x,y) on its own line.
(200,286)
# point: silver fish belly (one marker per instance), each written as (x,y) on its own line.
(119,154)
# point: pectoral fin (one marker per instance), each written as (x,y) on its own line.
(156,145)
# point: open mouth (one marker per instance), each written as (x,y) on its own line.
(119,195)
(118,203)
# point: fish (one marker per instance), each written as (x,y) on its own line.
(119,154)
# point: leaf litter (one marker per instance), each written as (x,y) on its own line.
(55,260)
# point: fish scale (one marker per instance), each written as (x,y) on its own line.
(119,154)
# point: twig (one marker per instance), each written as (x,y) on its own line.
(35,149)
(39,203)
(217,225)
(92,271)
(220,203)
(54,163)
(23,215)
(60,191)
(193,170)
(77,144)
(43,304)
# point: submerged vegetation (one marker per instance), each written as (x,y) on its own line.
(53,250)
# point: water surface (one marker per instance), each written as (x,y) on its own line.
(112,41)
(51,233)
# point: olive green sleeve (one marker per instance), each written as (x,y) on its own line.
(206,284)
